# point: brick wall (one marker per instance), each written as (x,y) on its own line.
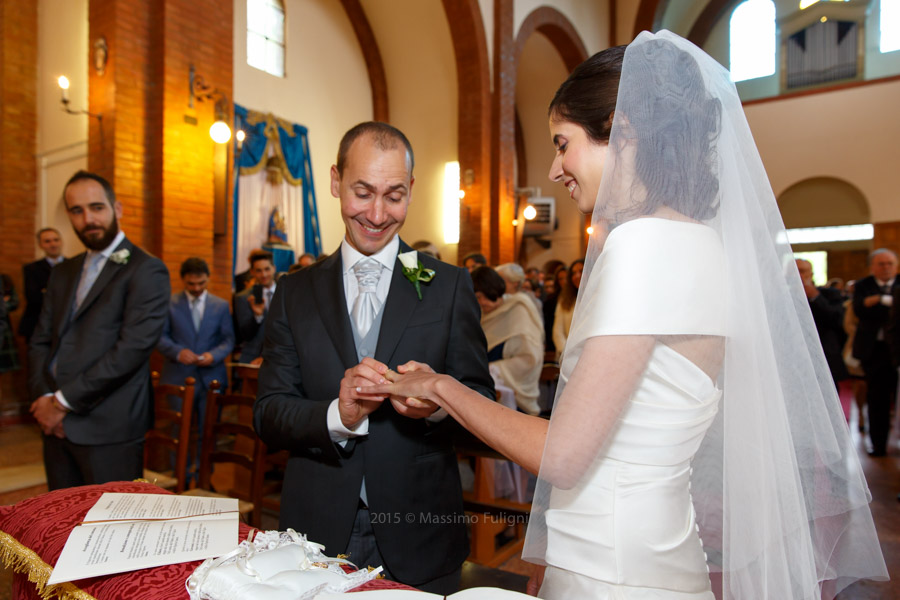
(160,165)
(18,169)
(197,33)
(18,122)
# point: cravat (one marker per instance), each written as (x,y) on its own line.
(88,277)
(196,315)
(367,271)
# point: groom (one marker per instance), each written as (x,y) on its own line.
(368,476)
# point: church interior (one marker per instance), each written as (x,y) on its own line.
(469,83)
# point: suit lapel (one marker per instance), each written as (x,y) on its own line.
(110,269)
(328,290)
(401,304)
(71,270)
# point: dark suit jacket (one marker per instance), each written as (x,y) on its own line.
(216,336)
(35,275)
(103,348)
(828,313)
(871,319)
(412,480)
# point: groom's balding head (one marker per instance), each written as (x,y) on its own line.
(384,136)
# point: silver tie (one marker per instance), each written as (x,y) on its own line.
(88,277)
(368,272)
(196,315)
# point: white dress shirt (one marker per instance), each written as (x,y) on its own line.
(387,257)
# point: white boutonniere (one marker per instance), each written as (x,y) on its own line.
(414,270)
(120,257)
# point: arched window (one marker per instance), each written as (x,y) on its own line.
(752,29)
(265,36)
(890,25)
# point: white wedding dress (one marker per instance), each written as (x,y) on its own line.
(628,529)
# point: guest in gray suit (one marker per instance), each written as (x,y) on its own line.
(252,305)
(374,478)
(197,338)
(103,313)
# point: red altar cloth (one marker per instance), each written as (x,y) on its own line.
(34,531)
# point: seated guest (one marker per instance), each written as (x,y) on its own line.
(305,260)
(252,305)
(36,275)
(9,355)
(515,337)
(426,247)
(514,276)
(197,338)
(474,259)
(565,305)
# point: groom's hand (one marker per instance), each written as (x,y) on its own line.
(354,404)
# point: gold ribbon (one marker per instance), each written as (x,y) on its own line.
(23,559)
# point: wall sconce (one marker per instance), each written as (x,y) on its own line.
(220,132)
(63,83)
(240,136)
(529,213)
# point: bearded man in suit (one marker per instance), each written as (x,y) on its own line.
(371,477)
(36,275)
(103,313)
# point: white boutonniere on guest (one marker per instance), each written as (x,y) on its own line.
(120,257)
(414,270)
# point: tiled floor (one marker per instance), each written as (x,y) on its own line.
(20,444)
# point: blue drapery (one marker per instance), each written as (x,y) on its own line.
(291,142)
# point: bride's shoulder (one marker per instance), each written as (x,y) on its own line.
(657,234)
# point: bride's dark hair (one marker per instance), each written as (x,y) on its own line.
(671,116)
(588,96)
(675,122)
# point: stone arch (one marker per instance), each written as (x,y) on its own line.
(823,202)
(565,39)
(473,79)
(372,56)
(558,29)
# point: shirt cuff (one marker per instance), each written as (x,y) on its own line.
(339,433)
(437,416)
(259,318)
(887,300)
(62,399)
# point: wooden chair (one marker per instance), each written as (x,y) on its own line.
(229,438)
(276,462)
(492,516)
(171,432)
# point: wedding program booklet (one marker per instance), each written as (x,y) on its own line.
(126,532)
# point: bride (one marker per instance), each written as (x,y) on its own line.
(696,448)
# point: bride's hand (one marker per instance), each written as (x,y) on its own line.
(411,390)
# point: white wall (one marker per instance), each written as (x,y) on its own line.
(541,71)
(414,39)
(325,88)
(850,134)
(61,137)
